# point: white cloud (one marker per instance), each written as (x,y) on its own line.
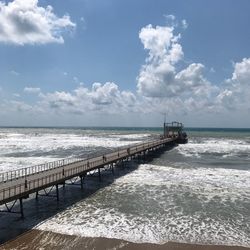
(157,40)
(171,20)
(104,95)
(184,24)
(212,70)
(158,77)
(165,84)
(192,81)
(75,79)
(32,90)
(235,93)
(100,98)
(59,100)
(15,73)
(241,74)
(19,106)
(226,98)
(170,17)
(83,22)
(198,100)
(24,22)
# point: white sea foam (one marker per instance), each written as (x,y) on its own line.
(159,204)
(223,146)
(19,150)
(153,203)
(54,141)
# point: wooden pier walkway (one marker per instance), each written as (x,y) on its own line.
(19,184)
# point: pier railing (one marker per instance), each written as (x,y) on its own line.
(27,180)
(22,172)
(27,171)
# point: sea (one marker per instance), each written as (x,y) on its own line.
(197,192)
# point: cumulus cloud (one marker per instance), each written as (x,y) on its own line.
(159,77)
(165,84)
(156,76)
(241,74)
(235,93)
(59,100)
(83,22)
(24,22)
(15,73)
(105,98)
(32,90)
(159,42)
(171,20)
(19,106)
(191,80)
(184,24)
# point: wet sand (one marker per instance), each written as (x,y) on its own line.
(36,239)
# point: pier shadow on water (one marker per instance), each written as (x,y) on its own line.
(38,211)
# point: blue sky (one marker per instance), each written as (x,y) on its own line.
(115,63)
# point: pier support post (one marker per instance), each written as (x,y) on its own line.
(112,168)
(99,174)
(21,207)
(36,195)
(82,178)
(57,192)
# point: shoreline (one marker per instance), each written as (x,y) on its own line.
(37,239)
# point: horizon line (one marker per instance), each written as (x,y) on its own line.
(97,126)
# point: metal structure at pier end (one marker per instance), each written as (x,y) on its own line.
(19,184)
(175,130)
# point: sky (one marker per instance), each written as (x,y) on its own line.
(124,63)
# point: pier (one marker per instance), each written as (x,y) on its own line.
(17,185)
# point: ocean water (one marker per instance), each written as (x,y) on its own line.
(196,193)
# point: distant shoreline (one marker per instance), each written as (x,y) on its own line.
(36,239)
